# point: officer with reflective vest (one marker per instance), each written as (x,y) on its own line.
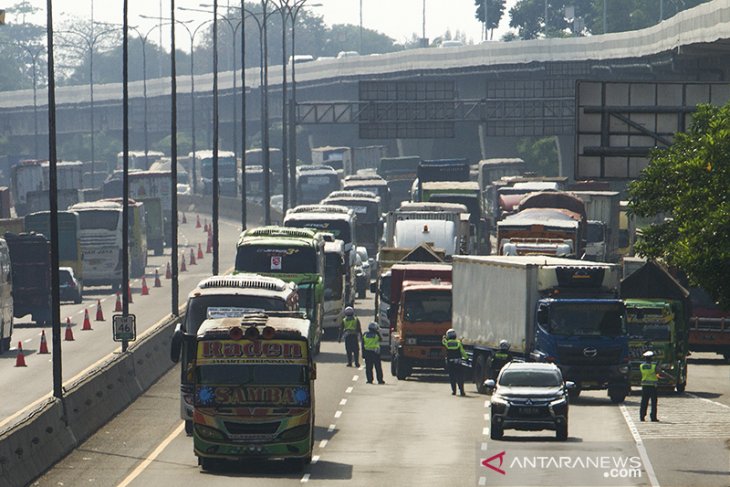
(371,353)
(649,383)
(454,355)
(351,331)
(499,359)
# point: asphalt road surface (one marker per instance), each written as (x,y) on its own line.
(21,387)
(414,432)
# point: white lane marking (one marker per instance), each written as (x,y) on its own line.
(323,443)
(487,403)
(482,481)
(486,417)
(28,340)
(355,377)
(331,429)
(343,402)
(484,446)
(708,400)
(152,456)
(485,431)
(640,446)
(305,478)
(338,414)
(315,459)
(348,390)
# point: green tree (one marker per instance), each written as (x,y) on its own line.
(346,37)
(20,42)
(689,182)
(495,10)
(540,155)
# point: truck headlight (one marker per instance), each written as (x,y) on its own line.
(208,433)
(410,341)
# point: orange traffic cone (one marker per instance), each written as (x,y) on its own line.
(129,293)
(69,332)
(197,222)
(145,289)
(182,263)
(200,252)
(20,358)
(184,219)
(157,279)
(168,272)
(209,248)
(192,257)
(210,230)
(44,344)
(87,323)
(99,313)
(118,306)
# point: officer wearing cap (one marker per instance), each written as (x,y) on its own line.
(351,331)
(455,353)
(371,353)
(649,383)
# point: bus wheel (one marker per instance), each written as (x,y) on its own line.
(206,463)
(681,387)
(189,427)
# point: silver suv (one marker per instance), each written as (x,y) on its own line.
(529,397)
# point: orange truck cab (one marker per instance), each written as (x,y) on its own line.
(420,314)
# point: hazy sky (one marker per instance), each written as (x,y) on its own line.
(397,18)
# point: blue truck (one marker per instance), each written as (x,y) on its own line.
(563,311)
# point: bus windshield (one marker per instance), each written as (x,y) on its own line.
(587,319)
(249,374)
(99,219)
(313,188)
(226,168)
(339,228)
(434,306)
(276,259)
(198,307)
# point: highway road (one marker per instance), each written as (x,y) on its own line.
(414,432)
(22,386)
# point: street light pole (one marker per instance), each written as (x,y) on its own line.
(216,185)
(174,302)
(284,10)
(265,135)
(244,145)
(125,164)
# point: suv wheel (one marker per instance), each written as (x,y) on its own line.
(561,433)
(617,398)
(496,432)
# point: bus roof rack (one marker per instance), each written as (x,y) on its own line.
(320,209)
(244,281)
(274,231)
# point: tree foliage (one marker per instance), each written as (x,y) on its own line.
(540,155)
(690,183)
(495,12)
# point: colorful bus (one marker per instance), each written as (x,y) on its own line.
(253,390)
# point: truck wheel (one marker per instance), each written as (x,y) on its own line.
(393,364)
(681,387)
(5,344)
(617,398)
(496,432)
(401,368)
(573,393)
(480,374)
(207,464)
(726,356)
(561,433)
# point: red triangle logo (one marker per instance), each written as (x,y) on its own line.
(488,462)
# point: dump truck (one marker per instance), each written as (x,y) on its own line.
(550,310)
(420,315)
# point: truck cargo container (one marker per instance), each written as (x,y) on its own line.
(549,309)
(30,257)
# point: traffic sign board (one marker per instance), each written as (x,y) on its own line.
(124,328)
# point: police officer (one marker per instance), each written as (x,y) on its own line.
(454,355)
(500,358)
(350,329)
(649,382)
(371,353)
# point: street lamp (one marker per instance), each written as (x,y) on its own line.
(192,35)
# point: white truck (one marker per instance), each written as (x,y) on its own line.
(25,176)
(440,225)
(601,207)
(550,310)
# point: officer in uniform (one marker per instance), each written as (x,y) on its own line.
(350,329)
(649,382)
(454,355)
(371,353)
(500,358)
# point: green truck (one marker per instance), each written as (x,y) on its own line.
(657,317)
(291,254)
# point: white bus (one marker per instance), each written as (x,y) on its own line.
(334,284)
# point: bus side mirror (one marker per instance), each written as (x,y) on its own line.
(176,343)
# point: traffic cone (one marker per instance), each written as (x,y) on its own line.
(69,332)
(20,358)
(182,263)
(197,222)
(157,279)
(206,228)
(184,219)
(44,344)
(210,230)
(168,272)
(118,306)
(145,289)
(209,248)
(200,252)
(129,293)
(87,324)
(192,257)
(99,313)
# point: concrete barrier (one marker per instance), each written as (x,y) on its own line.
(47,434)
